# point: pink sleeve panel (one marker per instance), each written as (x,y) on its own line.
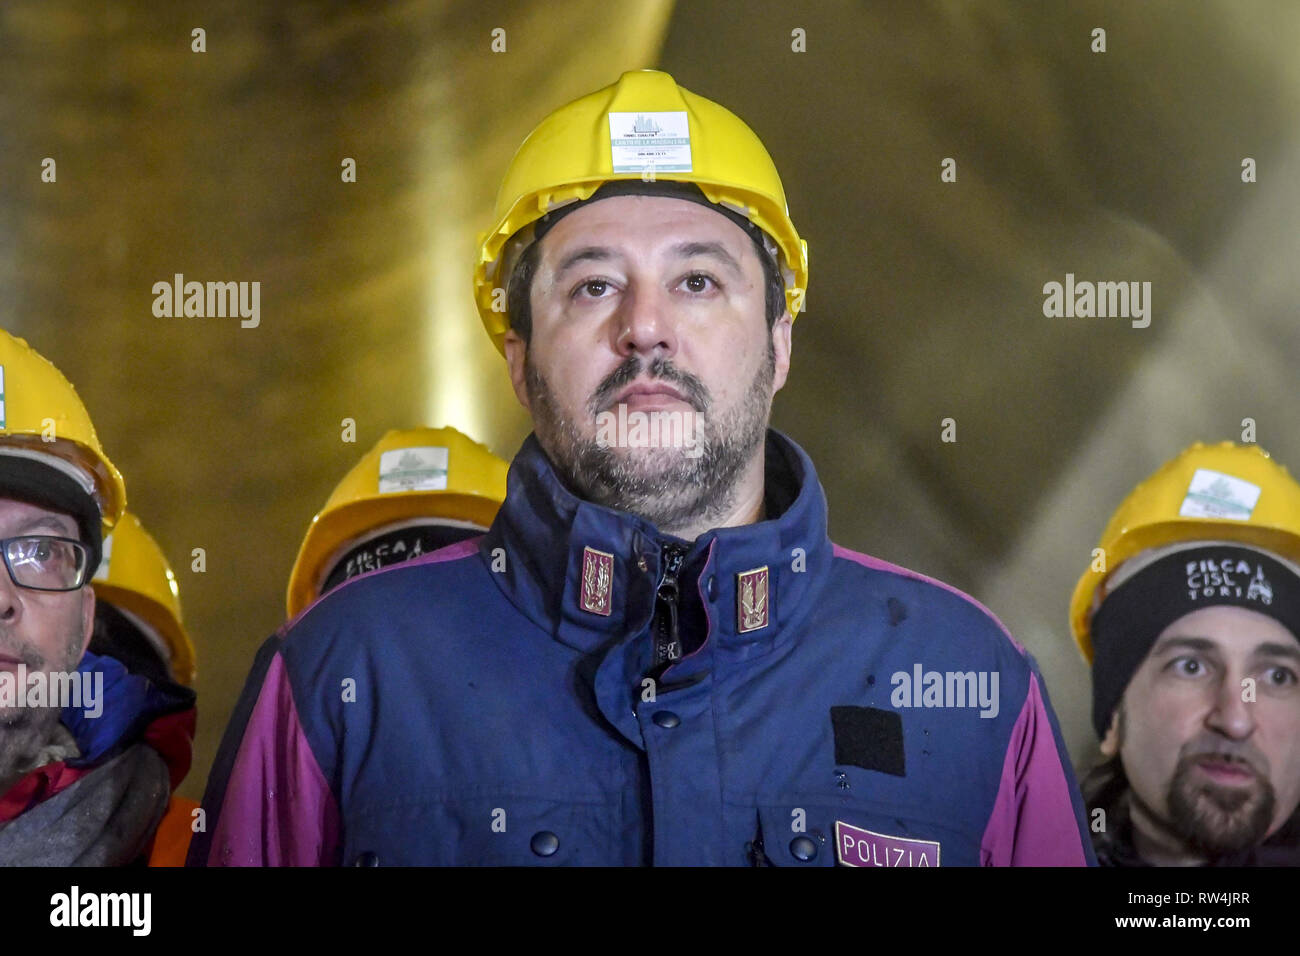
(1033,821)
(278,809)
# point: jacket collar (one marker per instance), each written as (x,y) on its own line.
(546,542)
(130,708)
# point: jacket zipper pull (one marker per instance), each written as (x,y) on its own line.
(668,644)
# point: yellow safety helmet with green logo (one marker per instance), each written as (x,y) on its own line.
(1221,492)
(410,474)
(43,421)
(134,576)
(643,126)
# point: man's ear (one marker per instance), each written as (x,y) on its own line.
(517,359)
(1110,743)
(782,345)
(87,619)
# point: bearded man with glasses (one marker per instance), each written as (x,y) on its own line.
(90,751)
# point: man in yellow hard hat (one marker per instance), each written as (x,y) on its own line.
(138,611)
(1190,618)
(138,622)
(90,752)
(418,490)
(655,655)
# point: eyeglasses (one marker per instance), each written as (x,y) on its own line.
(45,563)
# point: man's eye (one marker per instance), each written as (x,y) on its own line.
(1187,666)
(1281,676)
(35,549)
(48,553)
(593,287)
(699,282)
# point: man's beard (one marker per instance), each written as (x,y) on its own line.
(1212,820)
(1218,820)
(665,486)
(25,718)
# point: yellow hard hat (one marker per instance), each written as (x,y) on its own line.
(1221,492)
(643,124)
(43,419)
(411,473)
(134,576)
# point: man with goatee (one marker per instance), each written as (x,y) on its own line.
(1194,640)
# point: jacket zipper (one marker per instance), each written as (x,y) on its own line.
(668,642)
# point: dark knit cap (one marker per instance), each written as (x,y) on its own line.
(30,480)
(1132,616)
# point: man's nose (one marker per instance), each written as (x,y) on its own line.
(11,605)
(1233,715)
(646,321)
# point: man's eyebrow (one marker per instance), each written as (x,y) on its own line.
(1291,651)
(45,521)
(717,250)
(1268,649)
(585,254)
(1186,643)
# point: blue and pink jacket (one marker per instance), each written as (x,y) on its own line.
(497,702)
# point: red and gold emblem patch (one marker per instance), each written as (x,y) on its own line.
(751,600)
(597,581)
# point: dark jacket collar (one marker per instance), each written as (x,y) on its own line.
(543,533)
(132,708)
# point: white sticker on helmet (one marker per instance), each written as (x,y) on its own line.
(413,469)
(1215,495)
(650,142)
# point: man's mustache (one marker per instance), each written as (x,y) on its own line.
(693,390)
(1228,750)
(12,647)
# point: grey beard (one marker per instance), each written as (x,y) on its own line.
(25,730)
(685,491)
(22,737)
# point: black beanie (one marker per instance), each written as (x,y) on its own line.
(32,481)
(1131,617)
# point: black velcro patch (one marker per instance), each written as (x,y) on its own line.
(869,738)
